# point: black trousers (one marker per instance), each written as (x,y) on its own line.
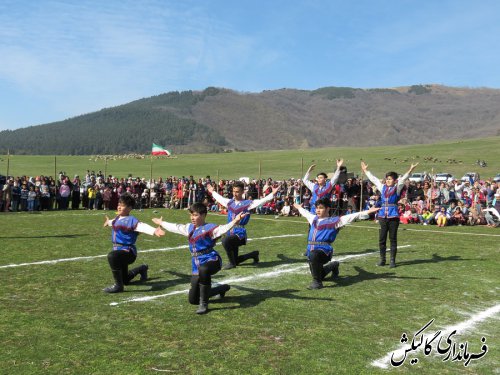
(388,226)
(205,272)
(317,259)
(119,260)
(232,244)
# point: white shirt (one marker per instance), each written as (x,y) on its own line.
(310,185)
(344,220)
(256,203)
(378,184)
(141,227)
(183,229)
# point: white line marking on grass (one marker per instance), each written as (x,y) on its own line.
(461,327)
(55,261)
(404,228)
(448,232)
(62,213)
(284,220)
(279,270)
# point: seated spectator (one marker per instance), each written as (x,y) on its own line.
(267,208)
(350,210)
(476,218)
(442,217)
(427,216)
(405,216)
(451,208)
(286,209)
(491,213)
(457,217)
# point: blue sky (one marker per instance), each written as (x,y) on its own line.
(60,59)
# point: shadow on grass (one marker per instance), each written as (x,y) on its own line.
(256,296)
(435,259)
(155,286)
(364,275)
(54,236)
(346,253)
(283,259)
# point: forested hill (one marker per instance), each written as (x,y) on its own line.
(215,119)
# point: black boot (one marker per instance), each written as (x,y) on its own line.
(393,258)
(220,291)
(204,295)
(142,270)
(118,286)
(252,255)
(382,258)
(332,267)
(316,283)
(231,259)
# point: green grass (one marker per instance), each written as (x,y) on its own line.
(277,164)
(56,320)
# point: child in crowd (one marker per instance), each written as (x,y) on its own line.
(125,229)
(458,217)
(442,217)
(322,233)
(426,217)
(388,215)
(31,199)
(405,215)
(205,260)
(286,209)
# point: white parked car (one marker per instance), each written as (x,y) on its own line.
(474,175)
(443,177)
(497,178)
(419,177)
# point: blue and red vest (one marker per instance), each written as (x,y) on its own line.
(201,246)
(389,202)
(123,234)
(322,234)
(233,209)
(320,192)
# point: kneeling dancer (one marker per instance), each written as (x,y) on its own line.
(126,228)
(322,234)
(205,260)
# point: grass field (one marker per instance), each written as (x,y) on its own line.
(56,320)
(457,157)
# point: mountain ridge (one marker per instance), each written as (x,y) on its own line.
(218,119)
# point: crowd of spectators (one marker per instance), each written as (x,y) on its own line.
(428,203)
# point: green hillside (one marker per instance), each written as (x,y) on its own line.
(214,120)
(456,157)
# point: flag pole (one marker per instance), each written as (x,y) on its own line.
(429,196)
(105,167)
(361,194)
(55,168)
(150,179)
(260,169)
(301,182)
(8,162)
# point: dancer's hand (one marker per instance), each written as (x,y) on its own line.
(157,221)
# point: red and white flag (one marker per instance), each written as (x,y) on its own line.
(158,150)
